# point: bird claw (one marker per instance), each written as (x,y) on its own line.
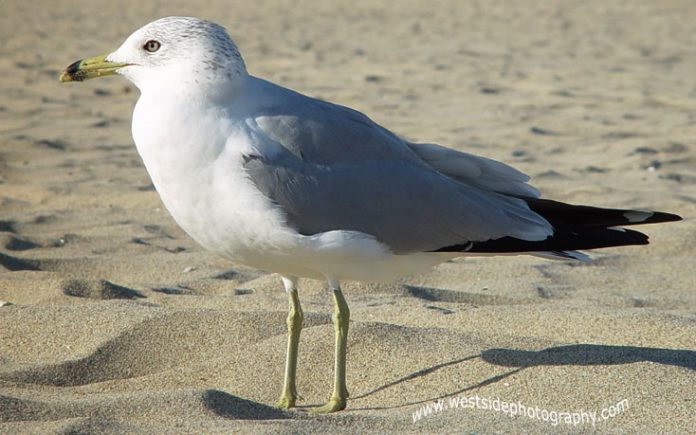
(334,404)
(288,400)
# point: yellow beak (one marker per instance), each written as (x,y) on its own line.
(90,68)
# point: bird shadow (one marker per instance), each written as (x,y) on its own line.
(569,355)
(590,354)
(228,406)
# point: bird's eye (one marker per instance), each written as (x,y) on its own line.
(151,46)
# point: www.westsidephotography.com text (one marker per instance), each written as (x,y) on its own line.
(518,409)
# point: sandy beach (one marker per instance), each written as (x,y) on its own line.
(112,320)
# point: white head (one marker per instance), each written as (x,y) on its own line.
(168,52)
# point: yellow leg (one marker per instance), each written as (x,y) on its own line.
(295,319)
(341,317)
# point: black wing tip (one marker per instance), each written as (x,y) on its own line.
(641,217)
(574,240)
(661,216)
(576,228)
(564,215)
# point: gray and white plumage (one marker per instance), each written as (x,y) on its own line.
(291,184)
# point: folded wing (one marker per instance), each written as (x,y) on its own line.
(334,169)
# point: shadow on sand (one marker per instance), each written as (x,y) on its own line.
(570,355)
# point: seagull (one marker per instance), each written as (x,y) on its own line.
(286,183)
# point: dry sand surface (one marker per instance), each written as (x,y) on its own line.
(119,323)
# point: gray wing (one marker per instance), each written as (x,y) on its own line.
(337,170)
(322,132)
(479,171)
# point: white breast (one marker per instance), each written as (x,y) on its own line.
(198,174)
